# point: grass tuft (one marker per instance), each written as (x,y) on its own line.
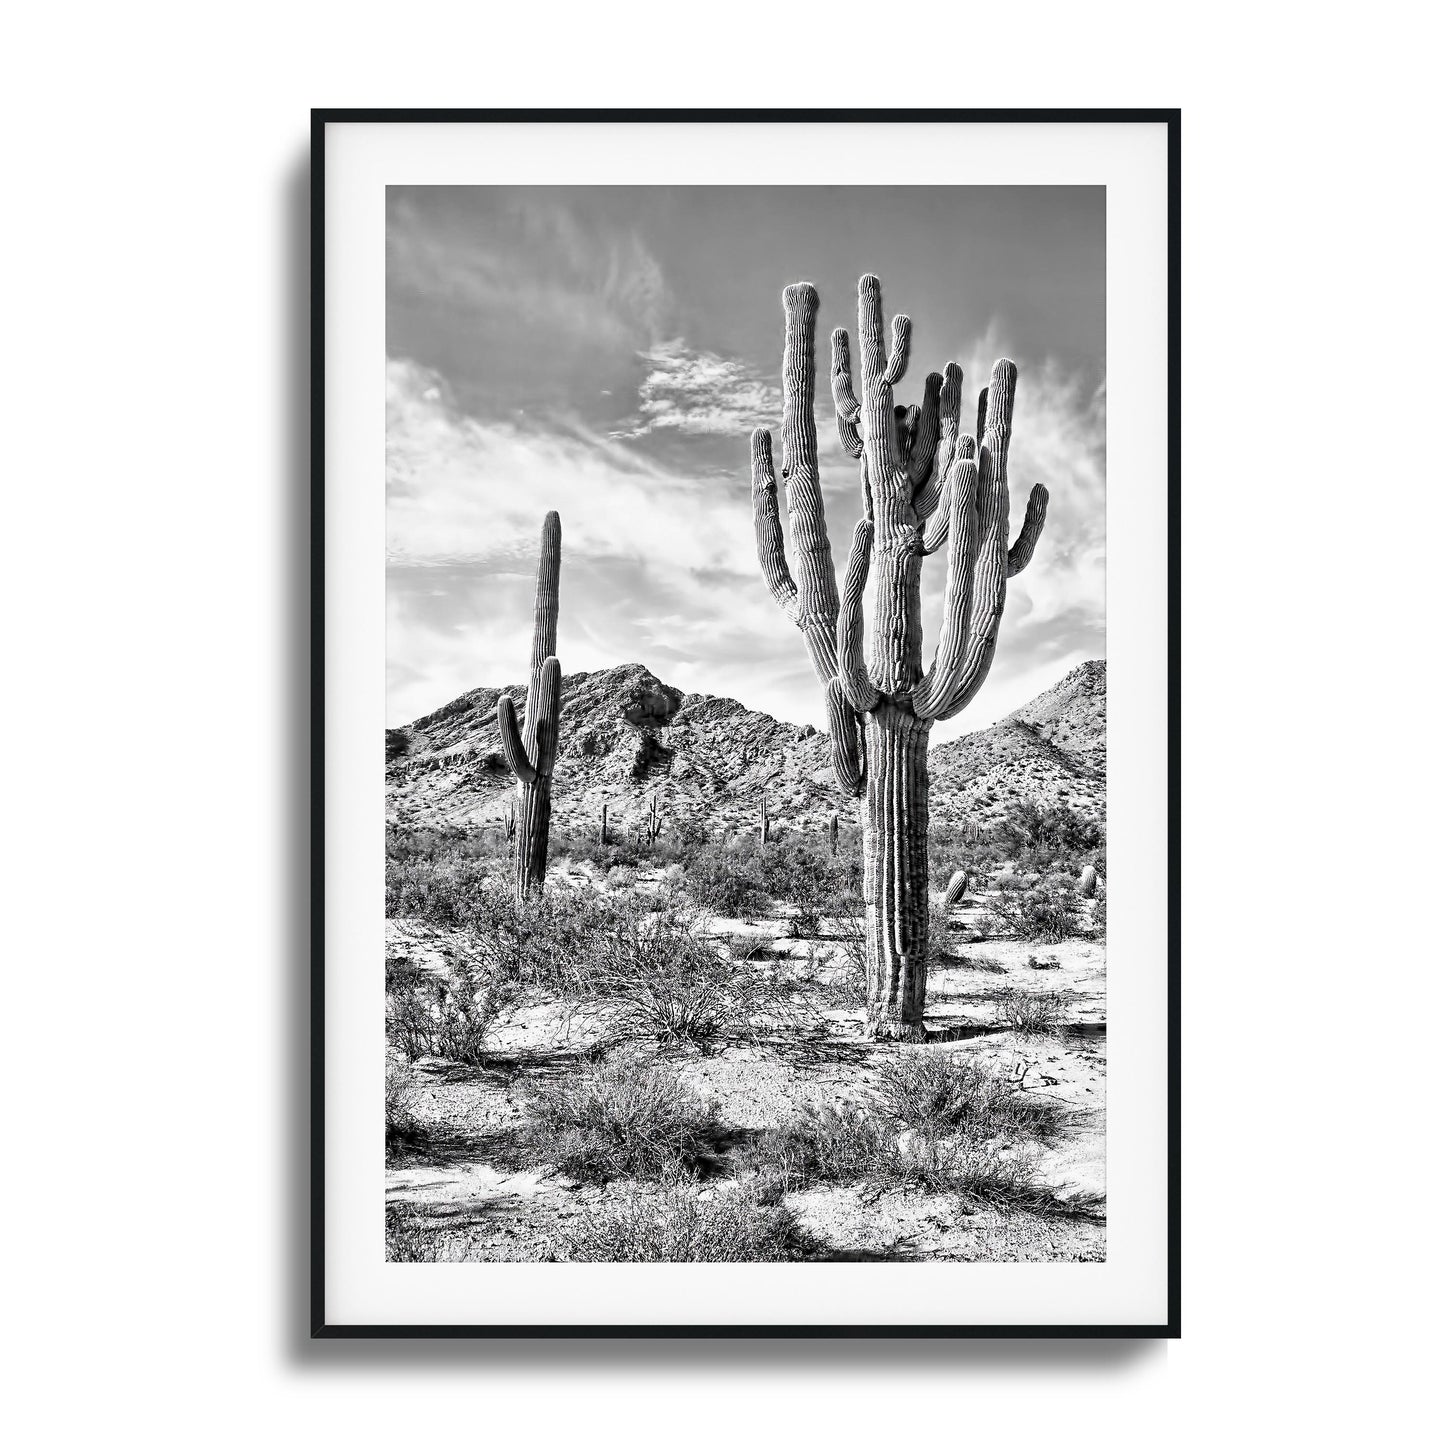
(618,1120)
(677,1226)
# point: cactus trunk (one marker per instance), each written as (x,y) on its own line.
(894,814)
(531,750)
(533,823)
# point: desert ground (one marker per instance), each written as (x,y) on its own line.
(665,1057)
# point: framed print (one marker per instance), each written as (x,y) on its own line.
(765,586)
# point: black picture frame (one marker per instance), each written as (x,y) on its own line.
(320,1328)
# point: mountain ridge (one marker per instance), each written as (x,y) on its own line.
(627,737)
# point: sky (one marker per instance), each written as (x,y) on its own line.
(606,352)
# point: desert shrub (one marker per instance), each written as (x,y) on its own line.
(409,1239)
(937,1124)
(1026,827)
(618,1120)
(444,1017)
(726,881)
(404,1131)
(1043,964)
(806,874)
(942,1093)
(678,1226)
(1036,914)
(744,877)
(1100,920)
(848,987)
(459,892)
(398,743)
(820,1144)
(657,979)
(1030,1013)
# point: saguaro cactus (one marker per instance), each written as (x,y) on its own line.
(923,484)
(531,751)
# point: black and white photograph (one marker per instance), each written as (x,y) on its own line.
(746,843)
(693,750)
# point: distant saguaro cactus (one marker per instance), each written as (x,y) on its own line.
(652,823)
(957,887)
(923,484)
(833,834)
(532,751)
(765,825)
(602,827)
(1088,881)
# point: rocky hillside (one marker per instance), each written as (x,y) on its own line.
(1051,750)
(626,737)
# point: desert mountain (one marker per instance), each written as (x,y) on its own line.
(626,737)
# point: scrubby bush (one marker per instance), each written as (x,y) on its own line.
(937,1123)
(409,1239)
(656,979)
(404,1131)
(943,1093)
(734,1226)
(725,882)
(1051,839)
(1036,914)
(447,1016)
(1030,1013)
(618,1120)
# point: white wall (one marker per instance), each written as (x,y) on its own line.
(154,457)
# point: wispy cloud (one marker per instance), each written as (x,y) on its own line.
(534,261)
(697,391)
(658,564)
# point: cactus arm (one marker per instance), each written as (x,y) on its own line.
(880,434)
(991,568)
(933,692)
(768,528)
(1022,551)
(845,403)
(812,602)
(929,497)
(926,482)
(935,534)
(513,749)
(852,672)
(898,350)
(807,525)
(848,760)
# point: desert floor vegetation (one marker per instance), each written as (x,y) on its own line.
(661,1055)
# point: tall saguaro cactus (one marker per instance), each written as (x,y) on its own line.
(531,751)
(924,483)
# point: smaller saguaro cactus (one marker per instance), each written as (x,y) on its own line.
(602,827)
(957,887)
(531,750)
(652,824)
(833,834)
(1088,881)
(511,823)
(764,823)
